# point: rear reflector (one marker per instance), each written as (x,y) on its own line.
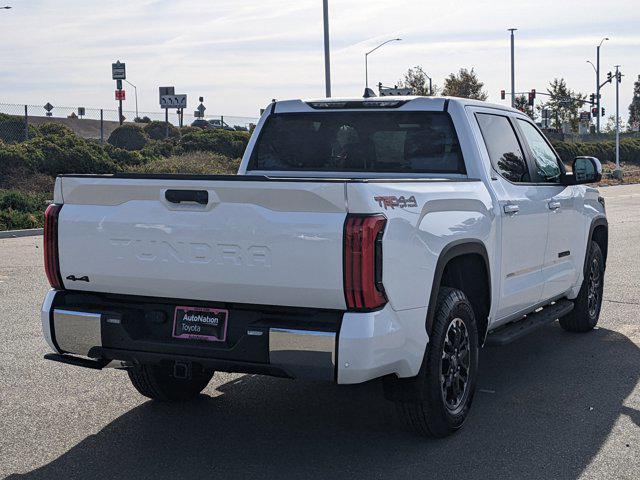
(51,259)
(363,289)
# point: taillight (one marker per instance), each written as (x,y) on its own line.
(51,259)
(363,288)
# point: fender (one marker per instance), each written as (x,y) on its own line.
(449,252)
(412,389)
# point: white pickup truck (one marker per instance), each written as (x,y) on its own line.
(362,238)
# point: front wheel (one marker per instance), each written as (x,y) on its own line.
(588,303)
(450,369)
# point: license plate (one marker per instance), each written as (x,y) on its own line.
(195,323)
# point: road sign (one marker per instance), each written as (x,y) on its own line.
(585,117)
(118,71)
(199,113)
(173,101)
(166,91)
(120,95)
(48,107)
(81,111)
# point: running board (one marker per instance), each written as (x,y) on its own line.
(515,330)
(77,361)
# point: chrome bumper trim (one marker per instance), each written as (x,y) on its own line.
(303,353)
(77,332)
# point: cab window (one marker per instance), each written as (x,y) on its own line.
(503,147)
(546,162)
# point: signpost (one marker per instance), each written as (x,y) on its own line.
(199,112)
(48,107)
(81,112)
(169,99)
(119,73)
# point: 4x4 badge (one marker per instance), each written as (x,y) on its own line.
(393,202)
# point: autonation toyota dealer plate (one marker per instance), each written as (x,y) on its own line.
(197,323)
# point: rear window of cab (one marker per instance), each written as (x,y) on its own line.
(374,141)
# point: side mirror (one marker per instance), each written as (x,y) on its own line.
(584,170)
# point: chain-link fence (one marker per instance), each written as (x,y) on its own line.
(19,122)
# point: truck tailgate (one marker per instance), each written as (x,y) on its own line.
(259,242)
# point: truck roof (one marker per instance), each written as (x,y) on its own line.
(425,102)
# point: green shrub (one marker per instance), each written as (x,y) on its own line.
(129,137)
(52,128)
(197,163)
(59,155)
(224,142)
(123,158)
(12,129)
(20,157)
(158,130)
(20,210)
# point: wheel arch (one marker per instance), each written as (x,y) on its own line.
(448,270)
(599,233)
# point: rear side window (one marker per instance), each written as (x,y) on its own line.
(503,147)
(402,142)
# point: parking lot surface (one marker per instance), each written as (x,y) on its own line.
(552,405)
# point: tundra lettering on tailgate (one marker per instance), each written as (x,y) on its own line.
(192,252)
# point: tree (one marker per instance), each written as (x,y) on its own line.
(418,81)
(610,126)
(564,104)
(634,108)
(522,104)
(464,85)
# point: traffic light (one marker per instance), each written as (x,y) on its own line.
(503,94)
(532,96)
(594,111)
(602,112)
(592,99)
(619,76)
(609,76)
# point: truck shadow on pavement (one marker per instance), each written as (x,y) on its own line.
(544,408)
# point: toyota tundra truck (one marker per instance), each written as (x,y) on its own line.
(362,238)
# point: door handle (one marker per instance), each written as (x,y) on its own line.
(179,196)
(511,208)
(553,205)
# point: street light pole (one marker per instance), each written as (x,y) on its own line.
(135,93)
(366,66)
(598,84)
(513,71)
(327,62)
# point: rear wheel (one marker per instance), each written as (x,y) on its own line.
(588,303)
(450,369)
(158,382)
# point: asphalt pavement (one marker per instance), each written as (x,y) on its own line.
(552,405)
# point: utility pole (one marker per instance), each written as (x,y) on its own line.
(513,71)
(598,83)
(618,78)
(327,61)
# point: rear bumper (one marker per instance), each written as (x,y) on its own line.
(324,345)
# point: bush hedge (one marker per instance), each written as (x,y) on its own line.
(224,142)
(20,210)
(158,130)
(12,129)
(604,151)
(130,137)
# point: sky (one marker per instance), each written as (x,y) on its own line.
(241,54)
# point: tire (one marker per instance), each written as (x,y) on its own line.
(158,383)
(587,305)
(439,412)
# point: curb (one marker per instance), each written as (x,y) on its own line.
(21,233)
